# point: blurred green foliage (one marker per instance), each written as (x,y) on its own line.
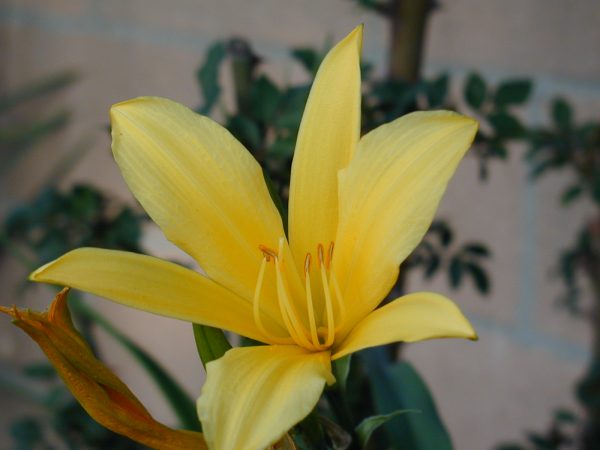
(24,121)
(374,406)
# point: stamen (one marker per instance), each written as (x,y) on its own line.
(268,252)
(328,304)
(320,255)
(329,255)
(309,303)
(290,317)
(256,306)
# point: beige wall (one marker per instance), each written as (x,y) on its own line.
(530,353)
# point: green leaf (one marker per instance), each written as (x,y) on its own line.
(570,194)
(562,114)
(41,370)
(437,90)
(246,131)
(480,277)
(370,424)
(283,147)
(512,92)
(309,58)
(211,343)
(281,207)
(264,99)
(455,271)
(36,90)
(341,369)
(506,125)
(476,249)
(208,76)
(181,404)
(398,387)
(475,90)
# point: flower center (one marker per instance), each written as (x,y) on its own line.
(302,324)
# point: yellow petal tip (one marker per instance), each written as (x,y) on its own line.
(356,35)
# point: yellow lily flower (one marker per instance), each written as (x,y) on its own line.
(101,393)
(357,208)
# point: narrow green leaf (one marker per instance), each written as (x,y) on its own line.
(341,369)
(512,92)
(365,429)
(475,90)
(477,249)
(37,89)
(570,194)
(397,387)
(181,404)
(208,76)
(211,343)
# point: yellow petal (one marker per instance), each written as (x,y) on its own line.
(253,395)
(152,285)
(413,317)
(101,393)
(327,138)
(388,196)
(200,185)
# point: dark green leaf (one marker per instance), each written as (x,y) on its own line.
(437,90)
(455,271)
(562,114)
(432,265)
(276,200)
(476,249)
(264,99)
(341,369)
(370,424)
(497,150)
(283,148)
(309,58)
(210,342)
(444,232)
(43,371)
(396,387)
(36,90)
(475,90)
(292,107)
(512,92)
(570,194)
(565,416)
(27,431)
(479,275)
(506,125)
(208,76)
(246,131)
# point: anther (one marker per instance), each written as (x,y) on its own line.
(329,255)
(307,263)
(320,254)
(268,252)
